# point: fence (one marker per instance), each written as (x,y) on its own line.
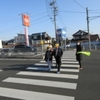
(9,52)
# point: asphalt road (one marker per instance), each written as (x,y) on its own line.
(89,78)
(18,76)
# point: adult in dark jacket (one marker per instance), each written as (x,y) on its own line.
(79,56)
(48,57)
(58,52)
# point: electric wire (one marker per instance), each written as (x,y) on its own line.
(40,21)
(49,10)
(60,16)
(79,4)
(49,15)
(72,12)
(39,18)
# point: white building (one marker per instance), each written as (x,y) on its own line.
(41,36)
(20,39)
(0,43)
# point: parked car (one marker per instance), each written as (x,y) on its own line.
(67,46)
(24,48)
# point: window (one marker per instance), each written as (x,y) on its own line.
(35,37)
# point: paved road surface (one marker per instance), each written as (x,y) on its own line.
(32,80)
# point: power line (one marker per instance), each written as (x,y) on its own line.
(72,12)
(49,10)
(39,18)
(79,4)
(9,20)
(94,17)
(47,7)
(40,21)
(12,28)
(19,18)
(60,16)
(32,15)
(95,10)
(33,22)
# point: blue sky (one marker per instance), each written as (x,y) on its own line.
(71,14)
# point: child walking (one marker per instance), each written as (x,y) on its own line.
(48,57)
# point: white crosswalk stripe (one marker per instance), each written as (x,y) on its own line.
(62,62)
(0,70)
(63,65)
(40,75)
(71,76)
(67,59)
(28,95)
(41,82)
(52,69)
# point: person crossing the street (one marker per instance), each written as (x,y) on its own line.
(79,56)
(58,52)
(48,57)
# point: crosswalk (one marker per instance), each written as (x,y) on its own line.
(0,70)
(44,84)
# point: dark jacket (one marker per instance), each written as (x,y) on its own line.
(59,54)
(48,55)
(78,56)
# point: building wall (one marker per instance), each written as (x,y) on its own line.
(80,37)
(19,39)
(38,37)
(0,43)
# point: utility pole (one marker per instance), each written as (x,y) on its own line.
(42,44)
(52,4)
(88,28)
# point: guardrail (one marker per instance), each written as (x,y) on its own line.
(85,47)
(9,52)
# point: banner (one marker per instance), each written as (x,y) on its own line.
(25,20)
(61,34)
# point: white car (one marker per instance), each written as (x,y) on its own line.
(68,45)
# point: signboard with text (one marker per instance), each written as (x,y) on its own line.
(25,20)
(61,34)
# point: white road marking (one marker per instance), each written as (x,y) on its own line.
(52,69)
(65,85)
(38,68)
(29,95)
(69,76)
(67,59)
(62,62)
(38,64)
